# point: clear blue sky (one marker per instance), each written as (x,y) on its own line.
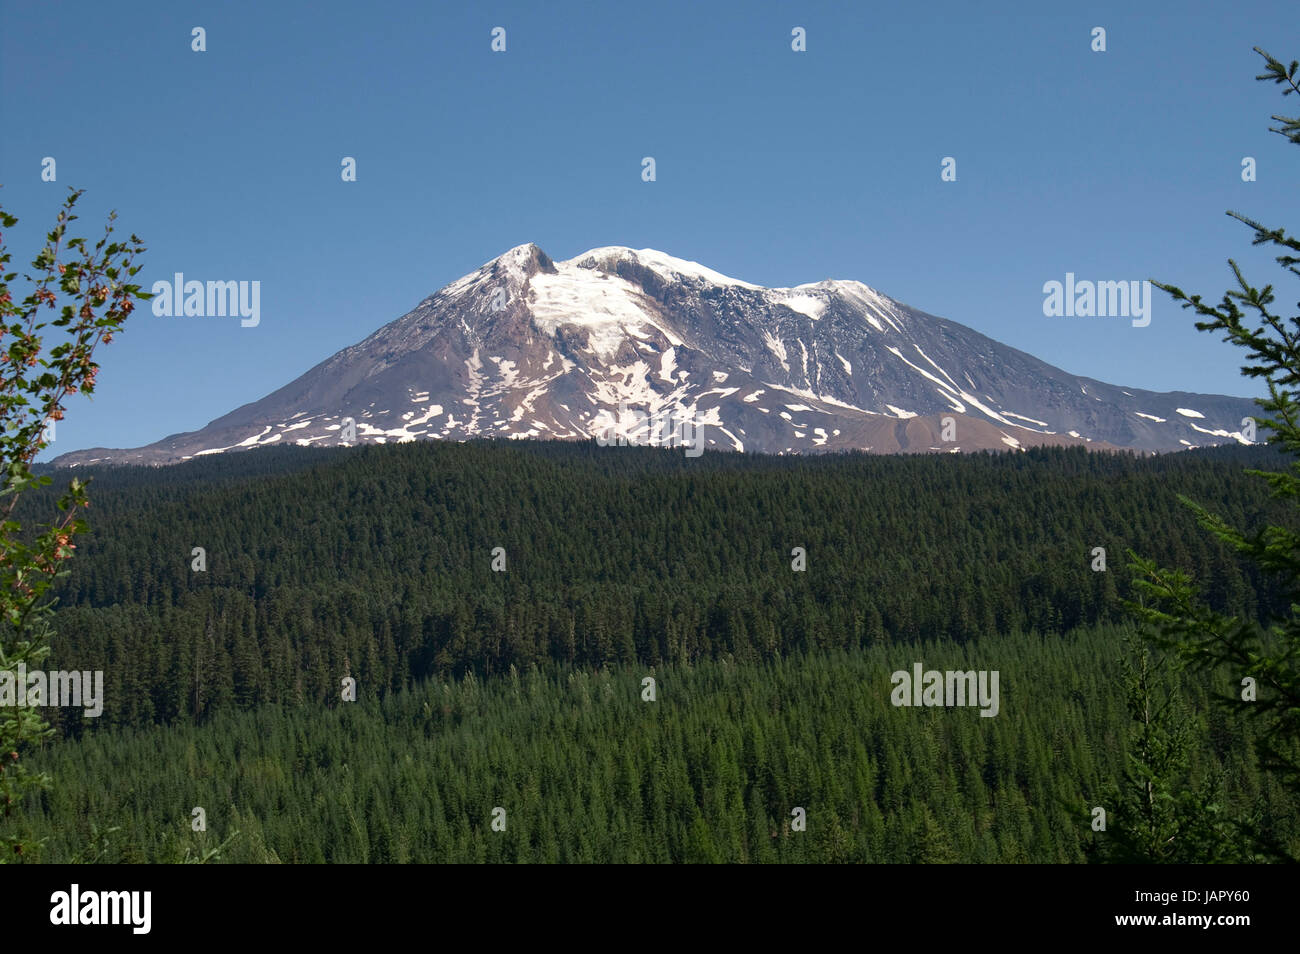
(773,166)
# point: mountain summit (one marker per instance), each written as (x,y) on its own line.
(604,344)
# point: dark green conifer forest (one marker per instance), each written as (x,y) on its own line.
(522,689)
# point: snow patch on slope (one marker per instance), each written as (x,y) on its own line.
(777,347)
(606,306)
(806,305)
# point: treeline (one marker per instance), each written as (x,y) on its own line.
(378,562)
(712,770)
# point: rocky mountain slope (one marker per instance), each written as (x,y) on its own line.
(641,347)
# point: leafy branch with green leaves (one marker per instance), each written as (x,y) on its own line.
(95,284)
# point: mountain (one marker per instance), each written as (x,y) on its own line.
(643,347)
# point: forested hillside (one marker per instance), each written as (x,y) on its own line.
(378,562)
(587,771)
(521,689)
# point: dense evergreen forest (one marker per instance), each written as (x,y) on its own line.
(521,687)
(586,771)
(378,562)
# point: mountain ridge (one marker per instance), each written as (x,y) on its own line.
(613,340)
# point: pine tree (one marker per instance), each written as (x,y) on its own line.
(1158,815)
(1265,659)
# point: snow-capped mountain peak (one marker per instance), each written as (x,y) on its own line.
(609,341)
(661,263)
